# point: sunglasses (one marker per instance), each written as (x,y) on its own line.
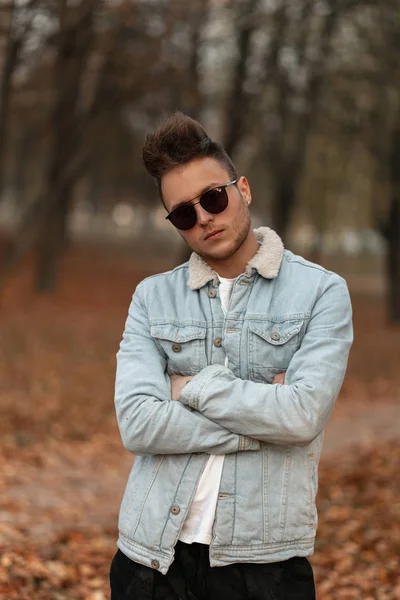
(214,201)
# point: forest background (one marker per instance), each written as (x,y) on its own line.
(305,96)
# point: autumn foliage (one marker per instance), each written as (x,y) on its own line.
(63,468)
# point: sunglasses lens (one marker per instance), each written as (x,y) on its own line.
(215,201)
(183,217)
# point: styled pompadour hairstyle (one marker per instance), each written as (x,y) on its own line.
(177,141)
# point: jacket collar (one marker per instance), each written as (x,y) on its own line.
(266,261)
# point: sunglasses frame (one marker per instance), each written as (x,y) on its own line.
(189,202)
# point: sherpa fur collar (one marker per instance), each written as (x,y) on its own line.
(266,261)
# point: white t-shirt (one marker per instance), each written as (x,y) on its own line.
(200,518)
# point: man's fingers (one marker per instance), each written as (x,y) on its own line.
(279,378)
(178,382)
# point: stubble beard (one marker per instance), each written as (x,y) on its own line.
(239,237)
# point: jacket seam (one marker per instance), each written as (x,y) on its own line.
(173,502)
(300,261)
(321,288)
(234,522)
(267,546)
(150,485)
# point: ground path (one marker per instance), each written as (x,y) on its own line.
(63,468)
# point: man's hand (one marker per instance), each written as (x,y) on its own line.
(178,382)
(279,378)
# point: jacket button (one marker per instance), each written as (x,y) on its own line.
(176,347)
(175,509)
(275,336)
(155,564)
(218,342)
(212,293)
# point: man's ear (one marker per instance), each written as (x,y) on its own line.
(244,189)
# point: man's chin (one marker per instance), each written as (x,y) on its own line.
(223,254)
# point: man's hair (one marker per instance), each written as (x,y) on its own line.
(177,141)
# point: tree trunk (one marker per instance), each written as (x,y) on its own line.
(10,60)
(74,44)
(286,163)
(52,244)
(21,172)
(283,199)
(192,96)
(392,232)
(393,261)
(237,108)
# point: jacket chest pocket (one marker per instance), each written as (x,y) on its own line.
(183,346)
(271,347)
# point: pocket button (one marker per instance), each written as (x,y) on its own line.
(275,336)
(176,347)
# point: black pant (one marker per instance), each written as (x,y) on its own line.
(190,577)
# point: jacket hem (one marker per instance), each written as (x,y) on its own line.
(220,556)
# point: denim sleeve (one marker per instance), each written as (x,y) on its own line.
(294,413)
(149,421)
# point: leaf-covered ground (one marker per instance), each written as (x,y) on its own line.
(63,468)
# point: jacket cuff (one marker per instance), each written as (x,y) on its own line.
(248,443)
(191,392)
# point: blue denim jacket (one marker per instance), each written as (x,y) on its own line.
(285,314)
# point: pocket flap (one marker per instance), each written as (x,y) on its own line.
(276,333)
(178,334)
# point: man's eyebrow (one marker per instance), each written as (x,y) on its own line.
(207,188)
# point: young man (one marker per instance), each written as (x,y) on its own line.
(227,373)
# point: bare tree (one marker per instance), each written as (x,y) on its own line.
(296,98)
(281,106)
(392,228)
(44,223)
(238,101)
(390,64)
(379,31)
(117,73)
(74,43)
(14,35)
(193,97)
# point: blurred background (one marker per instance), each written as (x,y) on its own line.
(305,97)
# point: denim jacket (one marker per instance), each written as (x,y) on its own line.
(285,314)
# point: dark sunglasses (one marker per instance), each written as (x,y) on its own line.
(213,201)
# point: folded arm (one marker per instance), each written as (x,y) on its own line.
(294,413)
(150,422)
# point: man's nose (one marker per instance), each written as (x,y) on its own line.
(203,217)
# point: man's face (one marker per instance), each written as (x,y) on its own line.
(230,228)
